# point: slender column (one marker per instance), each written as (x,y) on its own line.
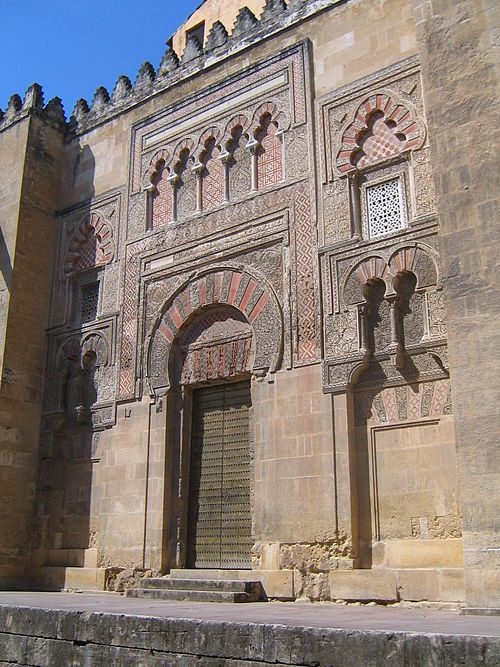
(355,205)
(149,190)
(254,145)
(394,323)
(363,328)
(225,158)
(173,179)
(198,169)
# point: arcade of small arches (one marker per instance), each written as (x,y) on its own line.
(220,166)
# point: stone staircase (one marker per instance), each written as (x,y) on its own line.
(200,586)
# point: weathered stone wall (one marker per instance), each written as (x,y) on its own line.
(214,224)
(460,54)
(57,638)
(29,235)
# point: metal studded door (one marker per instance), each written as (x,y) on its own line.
(219,530)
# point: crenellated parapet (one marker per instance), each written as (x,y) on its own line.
(222,42)
(32,104)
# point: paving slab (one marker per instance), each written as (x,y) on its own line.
(394,618)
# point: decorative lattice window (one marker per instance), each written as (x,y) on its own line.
(89,299)
(386,210)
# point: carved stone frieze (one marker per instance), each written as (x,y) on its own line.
(392,405)
(279,71)
(414,250)
(110,298)
(421,363)
(402,80)
(137,208)
(81,373)
(228,232)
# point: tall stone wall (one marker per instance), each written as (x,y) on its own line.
(460,54)
(12,147)
(32,148)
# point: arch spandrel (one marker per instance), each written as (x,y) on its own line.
(222,289)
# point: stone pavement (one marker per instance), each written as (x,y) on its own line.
(393,618)
(51,629)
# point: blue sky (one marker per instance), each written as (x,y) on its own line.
(71,48)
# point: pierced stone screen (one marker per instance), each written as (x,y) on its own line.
(385,207)
(89,298)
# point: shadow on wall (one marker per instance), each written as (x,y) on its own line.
(5,263)
(68,440)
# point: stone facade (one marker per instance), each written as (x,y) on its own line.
(264,208)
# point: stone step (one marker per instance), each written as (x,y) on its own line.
(228,585)
(190,595)
(245,575)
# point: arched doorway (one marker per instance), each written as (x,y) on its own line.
(210,363)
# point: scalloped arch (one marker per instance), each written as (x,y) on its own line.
(386,103)
(240,120)
(240,288)
(212,132)
(161,155)
(186,143)
(93,225)
(373,266)
(420,259)
(278,116)
(96,342)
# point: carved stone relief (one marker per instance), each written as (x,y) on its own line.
(336,220)
(436,314)
(342,334)
(296,153)
(423,183)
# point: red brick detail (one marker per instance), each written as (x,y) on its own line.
(165,332)
(247,295)
(162,200)
(220,369)
(235,282)
(375,267)
(258,308)
(213,181)
(197,364)
(175,316)
(187,143)
(209,133)
(160,157)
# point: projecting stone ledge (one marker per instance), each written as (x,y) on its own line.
(52,629)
